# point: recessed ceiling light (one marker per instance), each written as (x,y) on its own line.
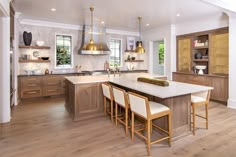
(147,24)
(177,14)
(53,9)
(102,22)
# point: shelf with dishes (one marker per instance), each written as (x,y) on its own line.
(130,51)
(136,60)
(34,47)
(201,60)
(34,61)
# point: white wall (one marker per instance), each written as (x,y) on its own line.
(232,63)
(203,24)
(4,63)
(156,34)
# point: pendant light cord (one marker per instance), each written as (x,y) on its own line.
(139,18)
(91,9)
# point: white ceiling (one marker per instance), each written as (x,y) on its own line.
(117,14)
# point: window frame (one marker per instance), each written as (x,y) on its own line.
(121,51)
(72,52)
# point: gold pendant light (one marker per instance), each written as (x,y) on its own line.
(91,46)
(139,48)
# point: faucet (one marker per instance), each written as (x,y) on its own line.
(116,70)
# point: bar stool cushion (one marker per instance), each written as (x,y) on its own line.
(196,99)
(157,107)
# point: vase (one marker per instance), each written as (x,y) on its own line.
(27,37)
(198,55)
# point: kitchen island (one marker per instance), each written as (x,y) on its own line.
(84,97)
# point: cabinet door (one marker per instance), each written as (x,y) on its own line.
(220,91)
(88,98)
(219,53)
(184,55)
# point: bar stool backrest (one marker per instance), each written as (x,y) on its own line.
(107,91)
(120,96)
(138,104)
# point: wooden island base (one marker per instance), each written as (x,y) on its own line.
(85,101)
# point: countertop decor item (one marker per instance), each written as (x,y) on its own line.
(132,58)
(39,43)
(27,37)
(158,82)
(46,71)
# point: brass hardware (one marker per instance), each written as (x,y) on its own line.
(32,85)
(91,46)
(31,92)
(139,48)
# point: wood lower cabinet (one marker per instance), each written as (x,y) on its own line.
(30,87)
(219,83)
(51,85)
(40,86)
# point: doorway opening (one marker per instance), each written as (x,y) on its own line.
(159,57)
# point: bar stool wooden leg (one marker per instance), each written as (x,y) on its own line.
(112,111)
(193,107)
(105,105)
(170,128)
(116,110)
(132,127)
(151,126)
(149,136)
(126,122)
(206,108)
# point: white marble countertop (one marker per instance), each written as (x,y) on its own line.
(130,81)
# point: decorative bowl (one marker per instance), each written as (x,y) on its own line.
(200,67)
(44,58)
(39,43)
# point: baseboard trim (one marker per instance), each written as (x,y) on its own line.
(231,103)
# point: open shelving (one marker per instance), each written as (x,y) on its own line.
(34,61)
(34,47)
(134,60)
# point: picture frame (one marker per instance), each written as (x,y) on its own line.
(131,45)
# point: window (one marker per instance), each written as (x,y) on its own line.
(63,51)
(115,56)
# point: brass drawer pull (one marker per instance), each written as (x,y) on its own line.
(32,79)
(52,83)
(52,90)
(32,85)
(32,92)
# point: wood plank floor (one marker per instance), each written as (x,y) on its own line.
(44,129)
